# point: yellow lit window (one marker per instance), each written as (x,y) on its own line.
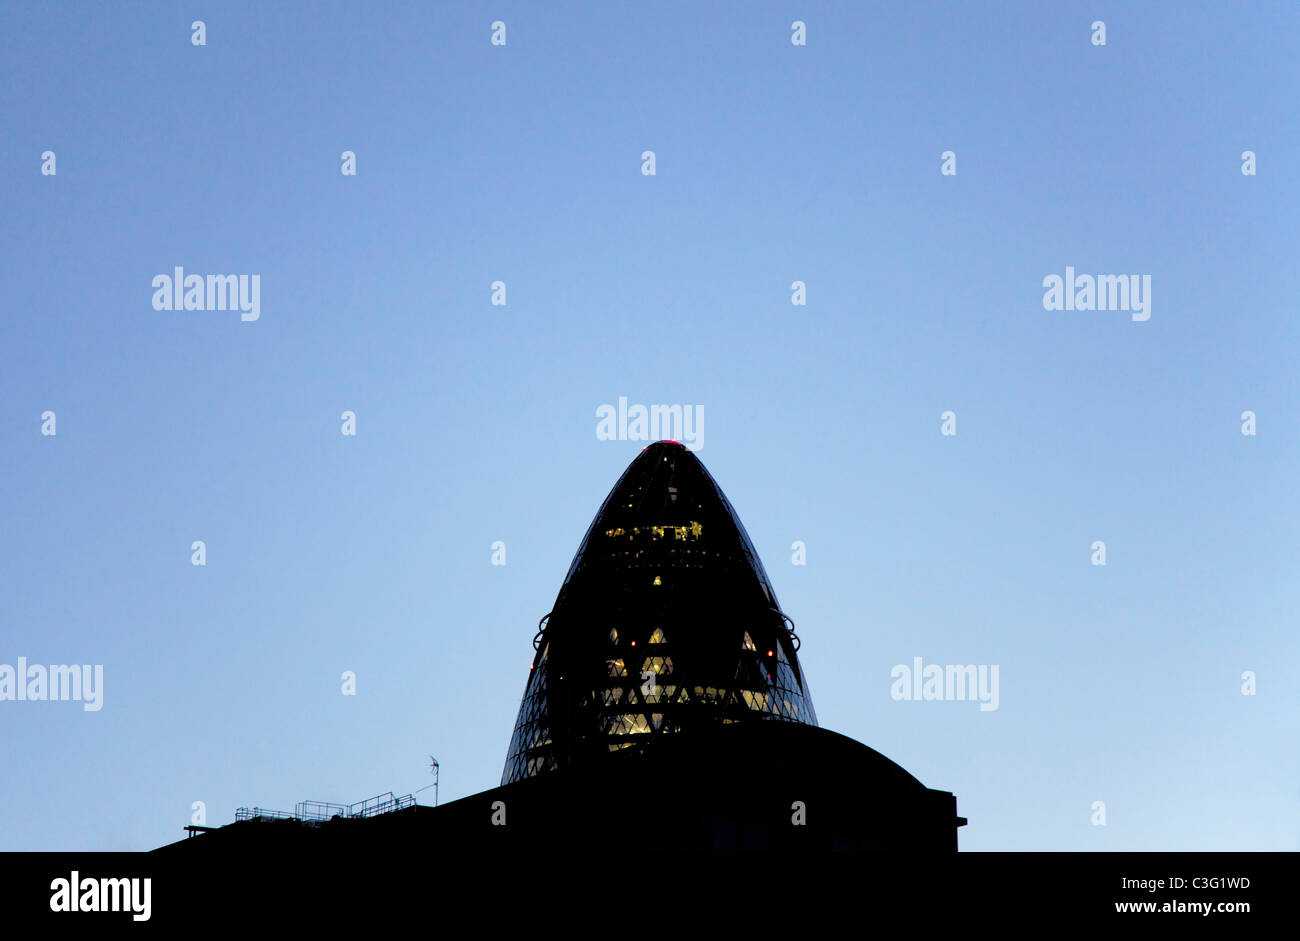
(629,725)
(658,665)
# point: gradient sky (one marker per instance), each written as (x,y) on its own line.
(476,423)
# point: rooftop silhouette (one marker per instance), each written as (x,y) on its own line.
(665,691)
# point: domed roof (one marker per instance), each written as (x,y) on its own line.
(665,622)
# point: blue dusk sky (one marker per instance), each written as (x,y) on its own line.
(475,422)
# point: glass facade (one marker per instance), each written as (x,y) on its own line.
(666,621)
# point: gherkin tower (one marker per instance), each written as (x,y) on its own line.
(665,623)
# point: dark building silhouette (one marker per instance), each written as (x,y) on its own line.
(665,623)
(665,702)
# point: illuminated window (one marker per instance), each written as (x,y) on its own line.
(657,665)
(616,668)
(683,532)
(749,643)
(658,636)
(629,725)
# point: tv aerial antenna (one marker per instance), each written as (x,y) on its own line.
(433,769)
